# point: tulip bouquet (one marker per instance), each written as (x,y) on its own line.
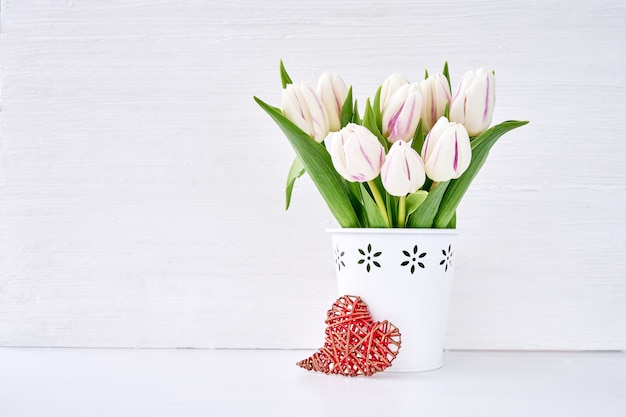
(407,162)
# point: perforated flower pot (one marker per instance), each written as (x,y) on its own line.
(405,276)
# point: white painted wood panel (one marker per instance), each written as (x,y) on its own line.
(141,189)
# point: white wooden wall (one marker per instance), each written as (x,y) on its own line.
(141,188)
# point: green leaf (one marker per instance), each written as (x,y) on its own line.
(427,184)
(318,165)
(418,138)
(372,214)
(377,110)
(480,150)
(355,114)
(452,224)
(391,202)
(369,121)
(347,109)
(295,172)
(446,111)
(425,73)
(424,216)
(355,199)
(414,200)
(284,77)
(446,73)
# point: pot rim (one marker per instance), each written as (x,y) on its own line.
(392,231)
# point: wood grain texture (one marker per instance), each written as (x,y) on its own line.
(141,189)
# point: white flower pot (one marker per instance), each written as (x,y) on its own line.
(404,276)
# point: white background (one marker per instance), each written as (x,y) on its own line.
(141,188)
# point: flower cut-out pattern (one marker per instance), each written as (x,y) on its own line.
(339,258)
(415,258)
(412,258)
(447,258)
(369,258)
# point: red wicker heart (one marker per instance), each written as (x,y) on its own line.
(355,344)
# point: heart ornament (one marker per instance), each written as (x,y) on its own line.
(355,343)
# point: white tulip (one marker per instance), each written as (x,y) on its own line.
(401,113)
(356,153)
(332,90)
(403,170)
(304,108)
(435,96)
(473,104)
(390,86)
(447,152)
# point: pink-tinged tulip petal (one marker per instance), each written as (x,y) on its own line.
(293,109)
(303,107)
(447,152)
(402,172)
(435,96)
(401,113)
(390,86)
(356,153)
(332,91)
(474,101)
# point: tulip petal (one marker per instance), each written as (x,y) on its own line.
(403,170)
(486,112)
(455,162)
(435,97)
(356,153)
(390,86)
(447,151)
(332,92)
(317,116)
(293,110)
(401,113)
(474,102)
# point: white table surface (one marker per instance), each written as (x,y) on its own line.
(127,382)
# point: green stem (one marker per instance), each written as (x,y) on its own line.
(380,203)
(402,211)
(433,185)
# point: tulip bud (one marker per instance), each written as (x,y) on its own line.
(332,90)
(390,86)
(435,96)
(401,113)
(402,172)
(304,108)
(473,104)
(356,153)
(447,151)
